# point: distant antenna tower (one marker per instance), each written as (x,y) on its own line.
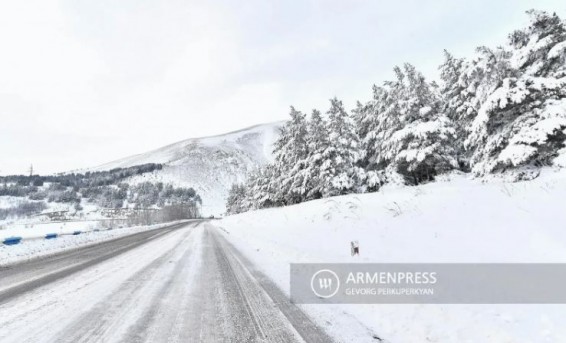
(31,170)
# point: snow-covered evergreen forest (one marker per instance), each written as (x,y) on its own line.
(501,112)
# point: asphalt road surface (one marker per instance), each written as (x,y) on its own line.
(184,283)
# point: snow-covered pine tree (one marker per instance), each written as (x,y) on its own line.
(260,189)
(366,120)
(486,72)
(339,169)
(522,122)
(318,143)
(457,103)
(236,199)
(290,159)
(373,122)
(413,137)
(361,115)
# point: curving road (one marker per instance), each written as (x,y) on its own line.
(185,283)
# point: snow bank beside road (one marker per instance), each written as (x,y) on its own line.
(460,220)
(30,249)
(37,230)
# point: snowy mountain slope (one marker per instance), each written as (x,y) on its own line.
(209,164)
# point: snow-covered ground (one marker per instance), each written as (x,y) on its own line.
(454,220)
(35,248)
(39,229)
(84,219)
(209,164)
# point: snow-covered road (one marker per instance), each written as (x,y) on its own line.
(181,284)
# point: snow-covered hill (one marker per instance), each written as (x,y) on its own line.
(209,164)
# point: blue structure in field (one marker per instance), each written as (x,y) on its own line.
(51,236)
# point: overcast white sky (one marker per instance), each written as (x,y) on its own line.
(86,82)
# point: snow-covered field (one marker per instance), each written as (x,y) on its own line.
(35,248)
(454,220)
